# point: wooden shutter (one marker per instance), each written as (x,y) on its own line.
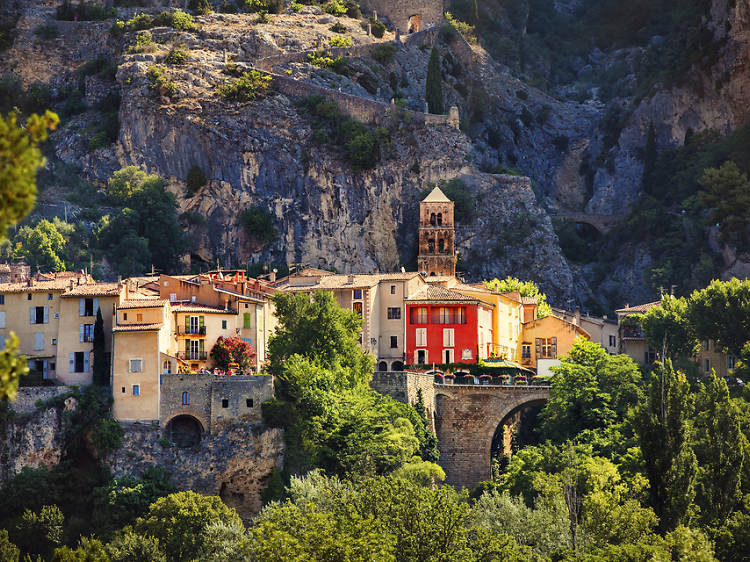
(187,348)
(554,348)
(246,320)
(86,362)
(538,347)
(2,319)
(202,321)
(81,307)
(32,314)
(72,362)
(96,306)
(46,314)
(80,332)
(187,324)
(201,346)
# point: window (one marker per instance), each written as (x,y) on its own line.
(526,351)
(38,341)
(172,297)
(461,315)
(136,365)
(186,399)
(441,245)
(421,337)
(394,342)
(393,291)
(123,390)
(2,299)
(448,355)
(2,342)
(2,319)
(358,294)
(706,365)
(444,315)
(394,313)
(249,402)
(612,341)
(139,317)
(136,390)
(225,402)
(192,299)
(167,367)
(448,336)
(432,219)
(54,341)
(49,296)
(421,356)
(86,332)
(223,324)
(418,315)
(246,320)
(166,283)
(78,362)
(28,297)
(730,362)
(440,219)
(88,307)
(357,307)
(39,315)
(430,246)
(546,348)
(125,316)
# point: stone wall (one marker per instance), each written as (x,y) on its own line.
(207,393)
(430,12)
(467,417)
(268,63)
(26,399)
(403,386)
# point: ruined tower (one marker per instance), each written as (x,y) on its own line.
(437,250)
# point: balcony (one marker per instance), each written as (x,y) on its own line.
(191,331)
(192,355)
(632,333)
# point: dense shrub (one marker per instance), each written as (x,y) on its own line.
(258,224)
(200,7)
(338,41)
(335,8)
(322,59)
(352,9)
(84,11)
(139,22)
(177,56)
(384,52)
(159,83)
(338,27)
(195,180)
(144,43)
(378,28)
(267,6)
(245,88)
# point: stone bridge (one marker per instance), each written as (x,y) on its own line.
(465,418)
(602,223)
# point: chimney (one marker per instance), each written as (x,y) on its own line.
(272,276)
(350,279)
(578,317)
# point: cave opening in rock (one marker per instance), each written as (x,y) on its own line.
(184,431)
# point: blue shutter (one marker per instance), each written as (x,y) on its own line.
(32,314)
(72,362)
(81,307)
(80,332)
(85,362)
(46,314)
(96,306)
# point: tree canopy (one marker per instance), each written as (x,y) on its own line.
(526,288)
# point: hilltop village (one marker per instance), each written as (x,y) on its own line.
(160,332)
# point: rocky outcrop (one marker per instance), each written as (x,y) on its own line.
(30,440)
(234,462)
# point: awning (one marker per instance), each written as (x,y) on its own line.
(505,364)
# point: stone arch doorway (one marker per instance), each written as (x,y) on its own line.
(397,366)
(184,431)
(415,23)
(382,366)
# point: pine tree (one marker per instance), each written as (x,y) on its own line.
(649,160)
(434,90)
(101,370)
(664,431)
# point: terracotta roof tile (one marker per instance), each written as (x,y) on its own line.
(143,303)
(94,290)
(197,307)
(638,308)
(439,293)
(137,327)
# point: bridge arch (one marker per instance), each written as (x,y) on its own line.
(466,419)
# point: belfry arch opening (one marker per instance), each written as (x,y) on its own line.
(515,430)
(184,431)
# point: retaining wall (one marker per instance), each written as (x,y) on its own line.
(25,402)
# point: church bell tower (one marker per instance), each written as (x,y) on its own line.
(437,250)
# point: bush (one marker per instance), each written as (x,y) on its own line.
(84,11)
(182,21)
(195,180)
(378,28)
(144,43)
(158,82)
(338,27)
(200,7)
(352,9)
(38,98)
(46,31)
(99,140)
(245,88)
(139,22)
(106,436)
(268,6)
(322,59)
(337,41)
(101,66)
(258,224)
(335,8)
(177,56)
(384,52)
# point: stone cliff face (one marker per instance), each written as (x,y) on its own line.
(235,462)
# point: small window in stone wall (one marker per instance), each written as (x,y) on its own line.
(185,398)
(225,403)
(249,402)
(123,390)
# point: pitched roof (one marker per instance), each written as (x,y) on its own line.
(529,300)
(436,196)
(143,303)
(94,290)
(638,308)
(438,293)
(197,307)
(151,327)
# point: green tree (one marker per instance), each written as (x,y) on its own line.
(88,550)
(12,368)
(39,533)
(727,193)
(664,431)
(434,88)
(41,246)
(319,329)
(20,158)
(224,541)
(128,181)
(101,369)
(526,288)
(178,519)
(667,327)
(721,312)
(721,449)
(8,551)
(590,390)
(128,546)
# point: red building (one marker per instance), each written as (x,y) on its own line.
(445,326)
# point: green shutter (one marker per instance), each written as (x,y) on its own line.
(201,346)
(246,320)
(187,347)
(538,347)
(202,321)
(187,323)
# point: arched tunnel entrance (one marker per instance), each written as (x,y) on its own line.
(515,430)
(184,431)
